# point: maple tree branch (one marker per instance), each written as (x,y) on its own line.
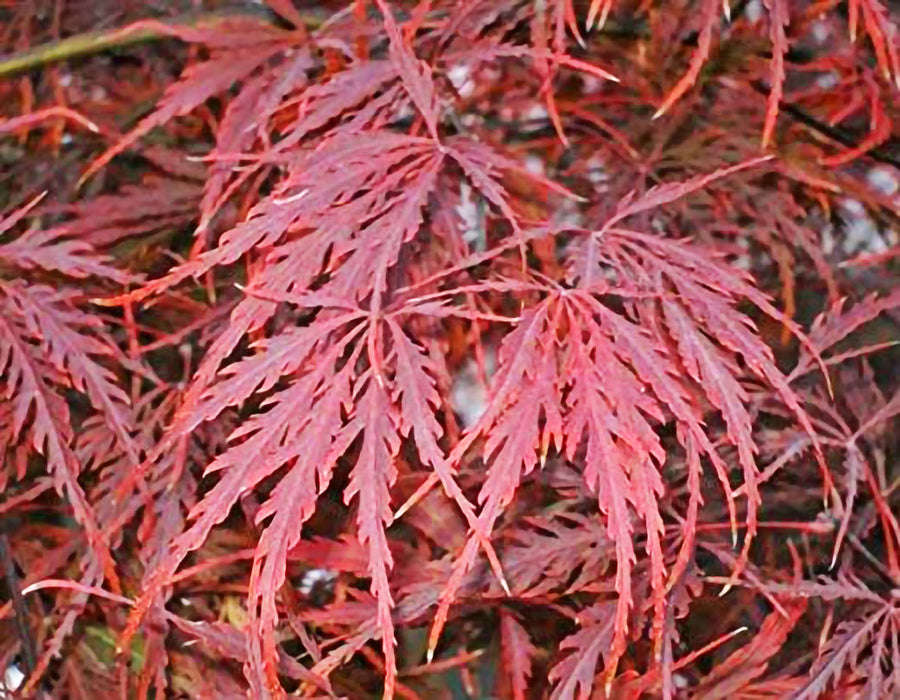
(73,47)
(833,133)
(91,43)
(20,612)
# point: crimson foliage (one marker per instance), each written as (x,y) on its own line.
(530,347)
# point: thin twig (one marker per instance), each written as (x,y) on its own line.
(871,560)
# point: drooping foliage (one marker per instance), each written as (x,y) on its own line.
(441,349)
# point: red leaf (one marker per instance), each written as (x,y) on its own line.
(517,651)
(370,482)
(415,74)
(246,52)
(573,676)
(779,18)
(709,11)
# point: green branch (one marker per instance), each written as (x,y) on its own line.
(91,43)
